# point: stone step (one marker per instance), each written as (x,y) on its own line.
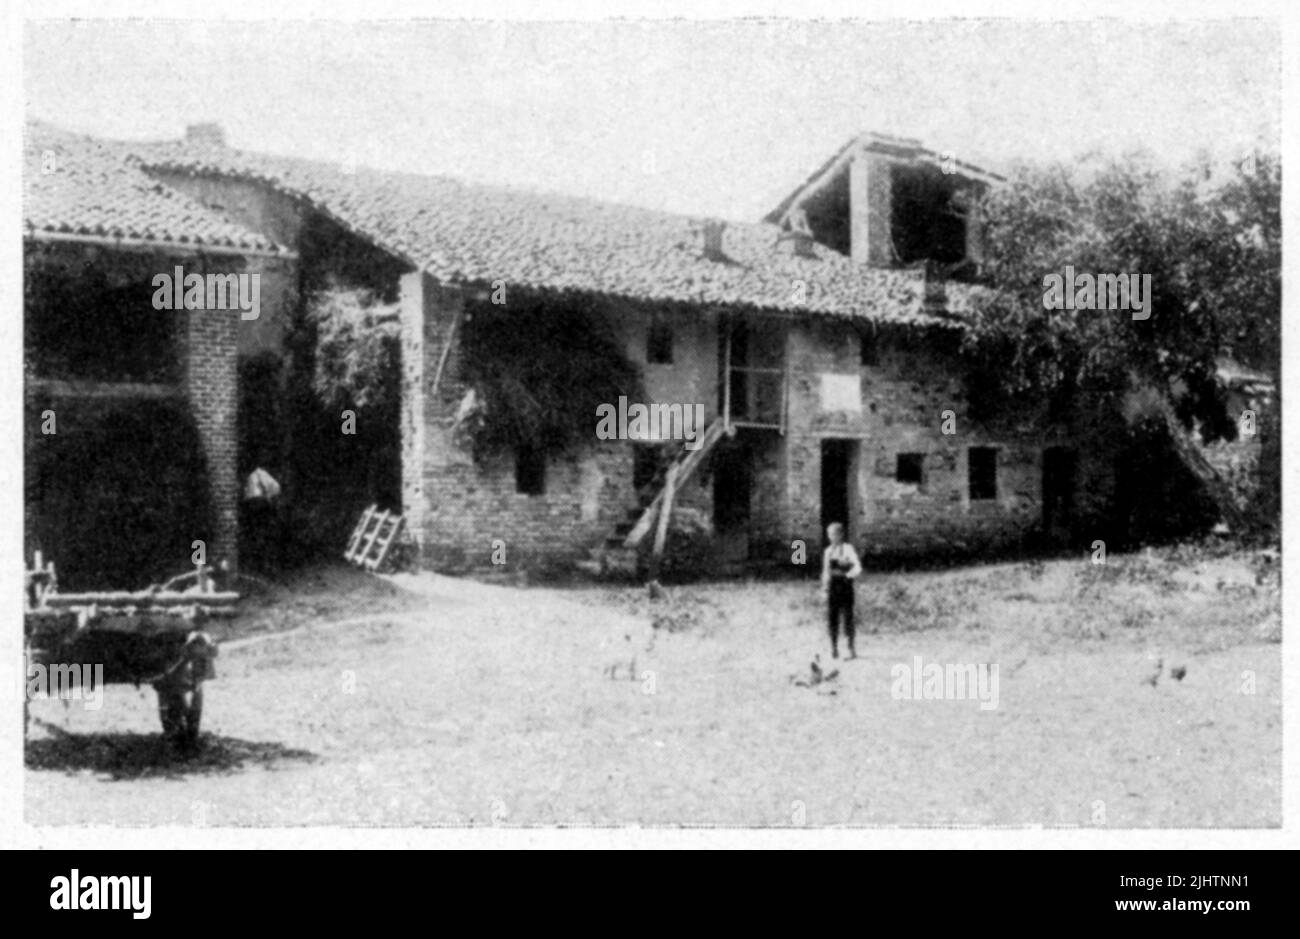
(610,562)
(621,562)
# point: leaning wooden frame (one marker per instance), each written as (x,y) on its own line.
(373,540)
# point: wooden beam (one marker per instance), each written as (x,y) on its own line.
(446,351)
(358,532)
(370,542)
(822,180)
(385,543)
(785,381)
(59,388)
(140,598)
(726,374)
(665,514)
(685,463)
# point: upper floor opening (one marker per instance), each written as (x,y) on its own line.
(890,202)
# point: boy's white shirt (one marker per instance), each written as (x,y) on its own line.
(844,552)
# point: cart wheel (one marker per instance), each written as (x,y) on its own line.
(181,710)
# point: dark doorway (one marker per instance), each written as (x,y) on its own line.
(1060,467)
(649,466)
(837,460)
(646,464)
(733,481)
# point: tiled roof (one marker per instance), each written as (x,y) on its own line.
(906,148)
(79,186)
(472,233)
(468,233)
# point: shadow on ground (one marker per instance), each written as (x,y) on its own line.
(124,756)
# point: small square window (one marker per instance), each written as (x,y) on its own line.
(869,348)
(910,468)
(530,471)
(982,472)
(659,343)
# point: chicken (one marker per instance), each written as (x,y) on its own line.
(815,673)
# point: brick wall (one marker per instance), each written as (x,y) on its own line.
(277,217)
(210,379)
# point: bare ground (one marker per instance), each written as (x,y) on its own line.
(424,700)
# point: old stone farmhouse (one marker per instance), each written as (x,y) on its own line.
(821,342)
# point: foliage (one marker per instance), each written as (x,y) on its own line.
(345,357)
(119,494)
(90,316)
(357,350)
(539,370)
(1213,250)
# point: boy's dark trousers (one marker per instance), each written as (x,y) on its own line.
(841,603)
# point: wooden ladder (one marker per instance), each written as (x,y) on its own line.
(371,540)
(41,581)
(683,464)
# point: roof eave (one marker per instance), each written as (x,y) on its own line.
(144,244)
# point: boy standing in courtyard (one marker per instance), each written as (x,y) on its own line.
(840,567)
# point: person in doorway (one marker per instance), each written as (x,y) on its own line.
(262,518)
(840,568)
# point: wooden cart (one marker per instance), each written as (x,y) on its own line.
(150,637)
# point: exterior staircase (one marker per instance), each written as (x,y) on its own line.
(619,552)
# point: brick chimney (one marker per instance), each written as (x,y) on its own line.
(798,243)
(712,230)
(206,135)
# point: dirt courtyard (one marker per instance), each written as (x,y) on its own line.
(421,700)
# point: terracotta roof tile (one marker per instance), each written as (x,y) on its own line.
(469,233)
(77,185)
(474,233)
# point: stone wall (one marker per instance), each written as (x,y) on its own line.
(896,405)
